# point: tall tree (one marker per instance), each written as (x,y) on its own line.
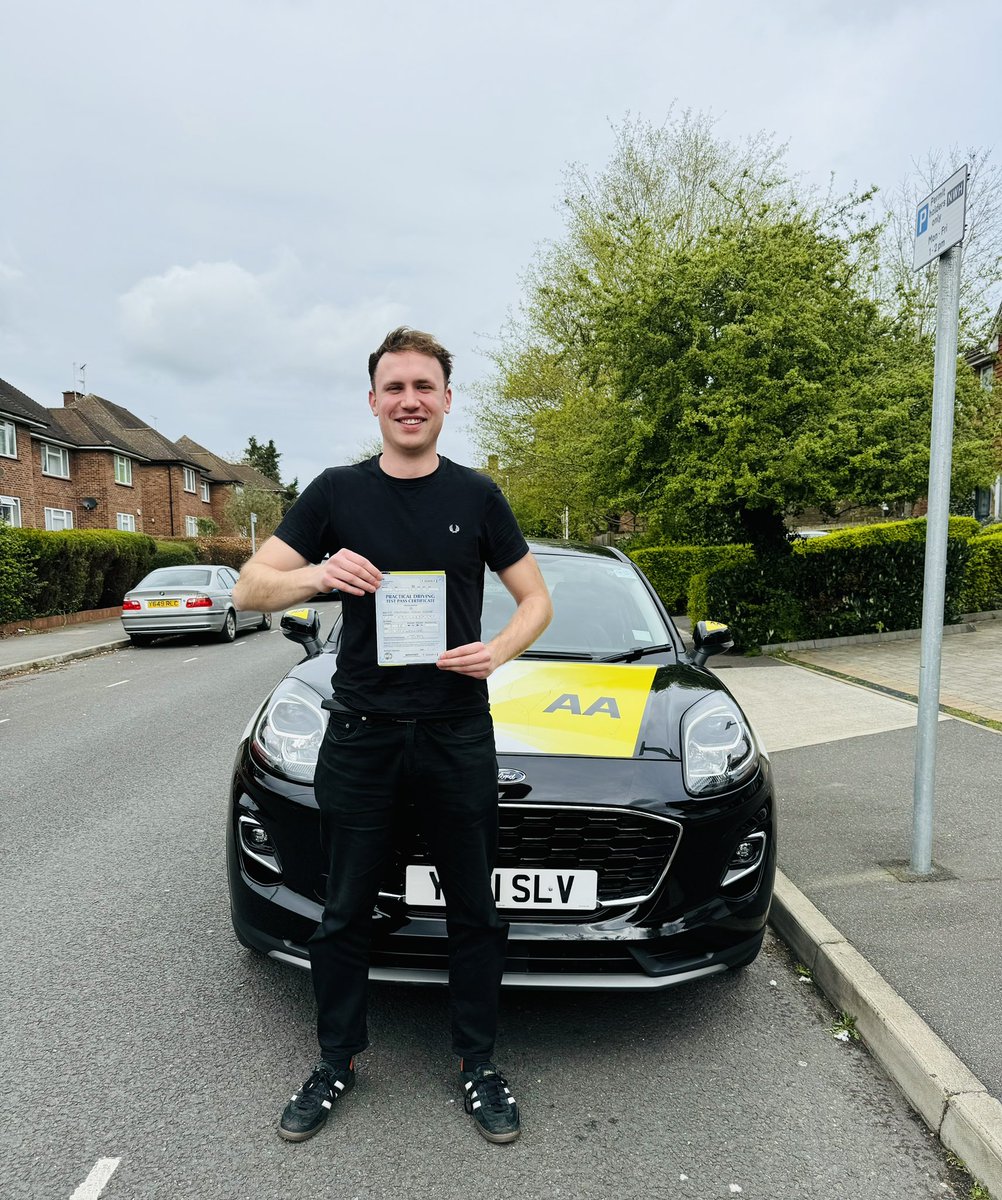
(263,457)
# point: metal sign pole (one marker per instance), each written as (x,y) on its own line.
(937,527)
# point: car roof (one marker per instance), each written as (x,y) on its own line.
(580,549)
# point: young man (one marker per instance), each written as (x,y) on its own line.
(418,733)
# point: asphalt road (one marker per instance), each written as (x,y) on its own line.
(136,1028)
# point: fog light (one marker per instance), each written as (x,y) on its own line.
(257,845)
(746,858)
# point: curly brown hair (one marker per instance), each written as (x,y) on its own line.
(404,338)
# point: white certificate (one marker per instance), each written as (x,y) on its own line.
(410,618)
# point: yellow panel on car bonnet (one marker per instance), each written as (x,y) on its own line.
(569,708)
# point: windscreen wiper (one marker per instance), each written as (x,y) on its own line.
(574,655)
(637,652)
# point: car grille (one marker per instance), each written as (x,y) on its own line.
(629,849)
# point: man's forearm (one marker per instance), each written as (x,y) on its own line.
(265,589)
(528,621)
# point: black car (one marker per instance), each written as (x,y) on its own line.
(637,821)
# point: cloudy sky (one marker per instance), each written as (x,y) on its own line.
(221,207)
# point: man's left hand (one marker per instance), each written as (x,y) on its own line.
(474,659)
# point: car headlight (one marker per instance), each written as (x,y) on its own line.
(719,751)
(288,734)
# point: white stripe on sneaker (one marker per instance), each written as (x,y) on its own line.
(476,1105)
(326,1103)
(339,1085)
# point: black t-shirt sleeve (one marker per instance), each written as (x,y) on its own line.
(503,541)
(306,527)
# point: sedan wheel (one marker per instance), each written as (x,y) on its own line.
(265,621)
(229,630)
(140,639)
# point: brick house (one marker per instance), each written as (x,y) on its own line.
(20,417)
(226,478)
(95,465)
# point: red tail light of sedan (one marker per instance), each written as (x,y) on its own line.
(198,602)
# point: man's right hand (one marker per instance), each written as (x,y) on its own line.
(348,572)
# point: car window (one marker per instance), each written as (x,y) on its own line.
(181,577)
(600,606)
(225,580)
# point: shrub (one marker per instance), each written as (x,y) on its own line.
(861,580)
(670,568)
(177,552)
(18,583)
(227,551)
(982,590)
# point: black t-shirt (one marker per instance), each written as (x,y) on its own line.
(453,520)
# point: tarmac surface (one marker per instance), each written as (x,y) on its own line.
(917,964)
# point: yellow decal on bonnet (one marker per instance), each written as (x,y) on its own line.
(713,626)
(569,708)
(300,613)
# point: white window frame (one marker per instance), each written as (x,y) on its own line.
(191,527)
(63,457)
(987,374)
(14,504)
(123,470)
(8,438)
(126,522)
(189,479)
(205,492)
(52,515)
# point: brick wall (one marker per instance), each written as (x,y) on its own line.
(16,477)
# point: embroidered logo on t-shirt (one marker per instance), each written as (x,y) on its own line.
(454,529)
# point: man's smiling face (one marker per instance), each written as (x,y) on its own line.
(410,397)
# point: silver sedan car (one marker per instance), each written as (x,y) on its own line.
(195,599)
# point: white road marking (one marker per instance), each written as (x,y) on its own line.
(119,684)
(94,1184)
(5,720)
(195,659)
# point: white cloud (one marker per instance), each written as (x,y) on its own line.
(217,318)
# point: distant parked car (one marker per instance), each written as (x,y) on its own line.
(195,599)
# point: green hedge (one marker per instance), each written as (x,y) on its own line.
(80,569)
(670,568)
(982,590)
(862,580)
(47,573)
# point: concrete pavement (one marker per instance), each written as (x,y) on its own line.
(917,965)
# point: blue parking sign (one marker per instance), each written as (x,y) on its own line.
(923,220)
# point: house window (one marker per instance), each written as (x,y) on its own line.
(123,469)
(58,518)
(8,439)
(987,376)
(191,526)
(126,522)
(10,511)
(189,479)
(205,491)
(55,461)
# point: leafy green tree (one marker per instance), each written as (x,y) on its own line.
(267,505)
(263,458)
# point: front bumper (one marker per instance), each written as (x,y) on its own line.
(691,927)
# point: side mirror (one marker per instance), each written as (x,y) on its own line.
(710,637)
(302,625)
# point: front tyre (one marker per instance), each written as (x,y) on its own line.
(228,632)
(140,639)
(265,621)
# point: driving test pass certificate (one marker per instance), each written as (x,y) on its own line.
(410,618)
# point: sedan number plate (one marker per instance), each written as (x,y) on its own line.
(514,888)
(162,603)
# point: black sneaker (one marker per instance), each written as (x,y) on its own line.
(490,1103)
(308,1109)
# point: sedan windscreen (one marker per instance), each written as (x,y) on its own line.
(600,607)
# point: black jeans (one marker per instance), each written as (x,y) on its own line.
(368,770)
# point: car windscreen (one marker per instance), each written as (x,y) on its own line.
(167,577)
(600,607)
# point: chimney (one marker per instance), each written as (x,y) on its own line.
(69,397)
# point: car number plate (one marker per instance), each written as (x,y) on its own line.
(514,888)
(162,603)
